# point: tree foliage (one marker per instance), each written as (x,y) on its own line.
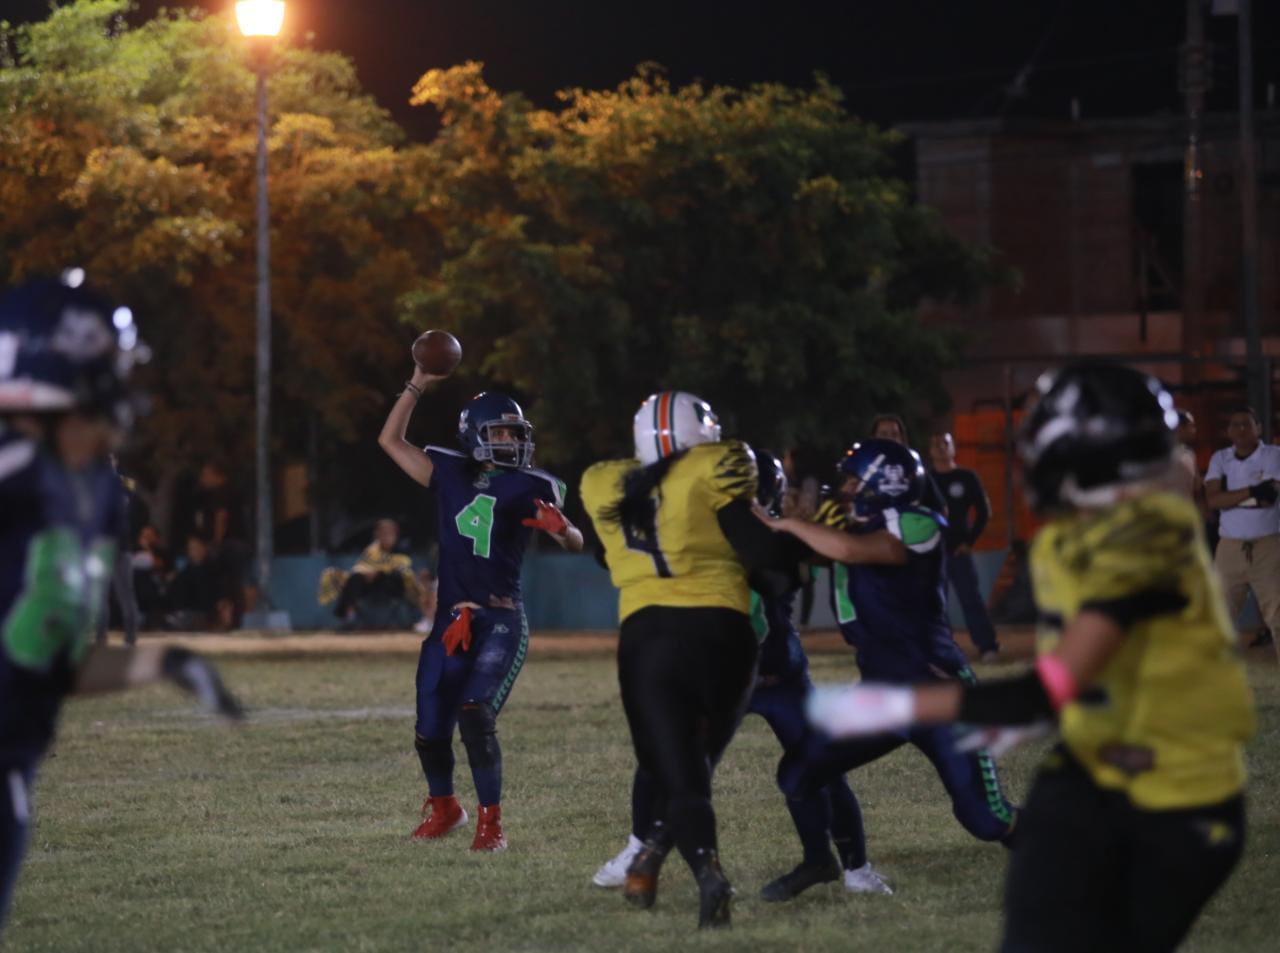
(752,246)
(130,151)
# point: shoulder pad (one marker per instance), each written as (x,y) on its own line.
(445,451)
(558,489)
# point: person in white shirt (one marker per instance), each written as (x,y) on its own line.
(1241,485)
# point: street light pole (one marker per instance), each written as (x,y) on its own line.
(260,21)
(262,401)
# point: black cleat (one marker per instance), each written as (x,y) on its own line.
(714,893)
(640,889)
(789,886)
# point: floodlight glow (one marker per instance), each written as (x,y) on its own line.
(73,277)
(122,317)
(260,17)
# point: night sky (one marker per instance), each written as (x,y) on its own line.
(896,60)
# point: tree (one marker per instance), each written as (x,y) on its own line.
(752,246)
(130,151)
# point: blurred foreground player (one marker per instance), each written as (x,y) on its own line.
(1137,817)
(65,354)
(679,535)
(488,499)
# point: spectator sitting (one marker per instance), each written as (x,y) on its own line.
(196,600)
(381,591)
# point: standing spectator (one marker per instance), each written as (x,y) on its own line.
(964,494)
(134,516)
(219,520)
(892,427)
(1240,485)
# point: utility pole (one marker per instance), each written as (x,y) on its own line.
(1194,80)
(1259,381)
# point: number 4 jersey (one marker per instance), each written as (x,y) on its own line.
(482,538)
(683,559)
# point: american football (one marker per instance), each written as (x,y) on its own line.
(437,352)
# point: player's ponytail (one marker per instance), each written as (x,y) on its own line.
(634,511)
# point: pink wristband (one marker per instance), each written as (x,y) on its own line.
(1059,683)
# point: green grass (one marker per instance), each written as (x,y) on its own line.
(158,830)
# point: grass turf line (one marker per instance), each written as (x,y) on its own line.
(158,830)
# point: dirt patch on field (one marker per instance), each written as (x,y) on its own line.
(1015,643)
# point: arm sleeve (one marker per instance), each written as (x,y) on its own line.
(757,546)
(1006,701)
(981,509)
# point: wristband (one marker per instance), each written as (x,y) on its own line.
(1059,684)
(411,386)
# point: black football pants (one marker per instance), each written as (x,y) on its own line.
(686,676)
(1092,872)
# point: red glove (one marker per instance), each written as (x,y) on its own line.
(549,520)
(459,632)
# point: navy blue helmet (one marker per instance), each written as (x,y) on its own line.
(771,481)
(66,347)
(485,412)
(889,476)
(1094,427)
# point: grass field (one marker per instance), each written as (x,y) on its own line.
(159,830)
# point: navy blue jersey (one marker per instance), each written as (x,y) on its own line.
(782,656)
(896,616)
(482,538)
(58,532)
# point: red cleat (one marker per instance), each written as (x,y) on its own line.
(489,830)
(446,815)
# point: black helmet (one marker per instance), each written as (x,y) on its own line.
(65,346)
(771,481)
(1094,427)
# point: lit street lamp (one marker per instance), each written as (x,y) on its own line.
(260,20)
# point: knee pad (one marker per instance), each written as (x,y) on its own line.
(436,754)
(475,722)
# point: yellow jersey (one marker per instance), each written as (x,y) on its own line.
(1167,719)
(685,560)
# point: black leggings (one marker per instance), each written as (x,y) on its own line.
(1092,872)
(686,676)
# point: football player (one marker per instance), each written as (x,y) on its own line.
(1136,818)
(782,684)
(489,498)
(65,354)
(890,594)
(678,534)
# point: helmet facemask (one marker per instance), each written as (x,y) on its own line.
(506,442)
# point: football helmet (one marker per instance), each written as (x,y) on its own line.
(889,476)
(670,421)
(64,346)
(771,481)
(486,411)
(1094,427)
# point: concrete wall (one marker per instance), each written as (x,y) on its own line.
(562,591)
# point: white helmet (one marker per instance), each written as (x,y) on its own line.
(670,421)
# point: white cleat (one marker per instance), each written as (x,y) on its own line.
(613,873)
(866,879)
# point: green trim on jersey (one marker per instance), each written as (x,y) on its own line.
(920,533)
(759,621)
(60,600)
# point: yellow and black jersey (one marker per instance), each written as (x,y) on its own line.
(832,513)
(1167,719)
(685,560)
